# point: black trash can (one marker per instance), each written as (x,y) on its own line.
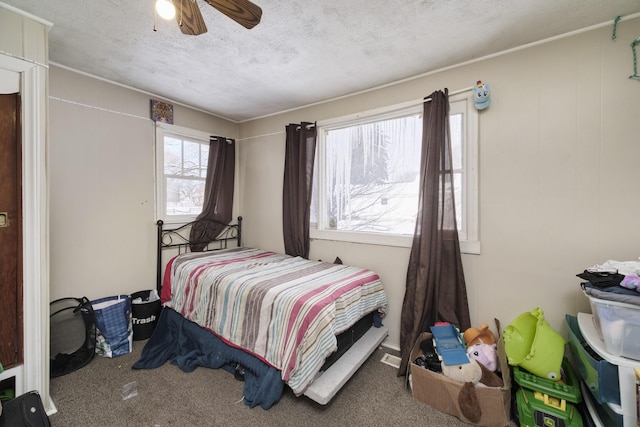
(144,315)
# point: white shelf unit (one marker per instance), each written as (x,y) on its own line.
(626,377)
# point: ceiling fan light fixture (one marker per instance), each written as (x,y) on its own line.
(165,9)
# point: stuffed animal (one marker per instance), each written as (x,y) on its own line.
(490,378)
(481,346)
(470,374)
(479,335)
(464,373)
(485,354)
(482,95)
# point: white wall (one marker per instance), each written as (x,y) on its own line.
(559,175)
(559,179)
(102,184)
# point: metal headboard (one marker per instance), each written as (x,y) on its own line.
(178,238)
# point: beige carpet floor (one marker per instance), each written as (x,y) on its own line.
(93,396)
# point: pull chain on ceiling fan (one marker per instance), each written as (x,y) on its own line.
(190,19)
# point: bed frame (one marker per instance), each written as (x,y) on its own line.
(330,380)
(178,239)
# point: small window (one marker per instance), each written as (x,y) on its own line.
(366,186)
(181,168)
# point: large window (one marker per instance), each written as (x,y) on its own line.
(368,169)
(181,159)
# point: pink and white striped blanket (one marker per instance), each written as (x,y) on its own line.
(285,310)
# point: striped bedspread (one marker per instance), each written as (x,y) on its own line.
(285,310)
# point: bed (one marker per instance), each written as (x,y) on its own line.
(270,319)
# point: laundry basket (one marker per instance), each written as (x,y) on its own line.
(72,335)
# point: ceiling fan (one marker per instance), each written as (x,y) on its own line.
(190,19)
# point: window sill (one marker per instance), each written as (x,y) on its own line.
(471,247)
(178,219)
(394,240)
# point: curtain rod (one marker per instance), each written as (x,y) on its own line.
(457,92)
(309,126)
(229,140)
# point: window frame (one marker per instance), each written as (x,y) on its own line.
(459,103)
(180,132)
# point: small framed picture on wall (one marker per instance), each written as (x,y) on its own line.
(161,111)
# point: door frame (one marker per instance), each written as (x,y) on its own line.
(33,374)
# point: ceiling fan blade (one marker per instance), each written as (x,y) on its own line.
(243,12)
(189,17)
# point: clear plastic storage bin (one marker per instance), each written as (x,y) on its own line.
(619,326)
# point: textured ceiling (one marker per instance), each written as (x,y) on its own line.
(302,52)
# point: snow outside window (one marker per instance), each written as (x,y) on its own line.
(181,170)
(366,183)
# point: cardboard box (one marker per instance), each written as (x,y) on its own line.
(441,393)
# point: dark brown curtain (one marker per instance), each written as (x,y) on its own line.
(298,182)
(217,207)
(435,289)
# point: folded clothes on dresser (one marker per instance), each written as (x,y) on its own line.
(617,293)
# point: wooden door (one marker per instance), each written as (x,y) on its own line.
(10,232)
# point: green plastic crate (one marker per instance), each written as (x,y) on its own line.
(533,411)
(545,403)
(567,389)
